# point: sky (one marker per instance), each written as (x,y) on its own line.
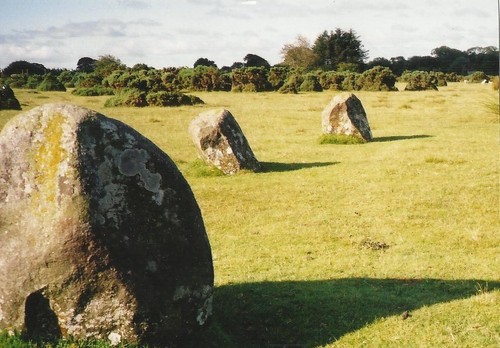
(168,33)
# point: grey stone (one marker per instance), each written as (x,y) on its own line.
(100,234)
(345,115)
(221,142)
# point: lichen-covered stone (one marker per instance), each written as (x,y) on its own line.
(221,142)
(345,115)
(7,99)
(100,234)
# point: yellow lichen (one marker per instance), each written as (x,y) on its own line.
(48,157)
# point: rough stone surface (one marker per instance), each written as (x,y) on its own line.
(345,115)
(100,235)
(221,142)
(7,99)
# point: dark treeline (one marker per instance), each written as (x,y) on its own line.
(337,50)
(446,59)
(336,60)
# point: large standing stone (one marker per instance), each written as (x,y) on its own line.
(100,234)
(345,115)
(221,142)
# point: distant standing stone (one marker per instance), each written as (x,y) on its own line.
(100,234)
(345,115)
(7,99)
(221,142)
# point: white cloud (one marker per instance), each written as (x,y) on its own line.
(135,4)
(167,33)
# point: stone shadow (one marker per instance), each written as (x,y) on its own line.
(399,137)
(316,313)
(269,167)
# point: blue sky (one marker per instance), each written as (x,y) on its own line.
(164,33)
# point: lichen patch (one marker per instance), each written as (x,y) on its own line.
(133,162)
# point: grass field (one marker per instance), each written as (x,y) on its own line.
(392,243)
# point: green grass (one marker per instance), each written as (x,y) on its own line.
(330,245)
(198,168)
(340,139)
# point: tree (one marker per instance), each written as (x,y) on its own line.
(339,47)
(421,63)
(482,50)
(379,61)
(204,62)
(398,65)
(106,64)
(446,56)
(237,65)
(86,64)
(24,67)
(299,54)
(253,60)
(483,59)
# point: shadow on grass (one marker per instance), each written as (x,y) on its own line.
(269,167)
(305,314)
(399,137)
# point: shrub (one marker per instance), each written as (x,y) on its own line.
(171,79)
(277,77)
(17,80)
(348,67)
(185,75)
(350,82)
(33,81)
(377,79)
(311,83)
(116,80)
(440,78)
(331,80)
(256,76)
(163,98)
(51,83)
(225,82)
(93,91)
(138,98)
(87,80)
(66,78)
(419,81)
(204,78)
(292,83)
(128,97)
(453,77)
(477,77)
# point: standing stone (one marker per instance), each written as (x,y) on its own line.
(345,115)
(221,142)
(7,99)
(100,234)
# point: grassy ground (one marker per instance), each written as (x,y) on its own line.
(390,243)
